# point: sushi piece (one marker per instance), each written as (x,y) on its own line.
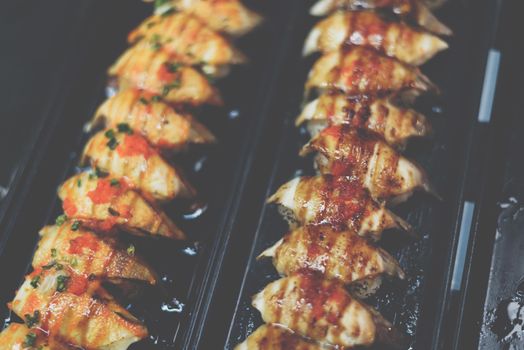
(163,126)
(89,254)
(68,308)
(324,311)
(389,176)
(18,336)
(368,29)
(413,10)
(362,71)
(106,203)
(379,115)
(274,337)
(124,154)
(337,201)
(339,255)
(163,75)
(189,39)
(228,16)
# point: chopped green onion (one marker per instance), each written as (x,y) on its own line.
(49,265)
(173,67)
(112,144)
(30,340)
(124,127)
(110,134)
(61,283)
(35,282)
(61,219)
(143,100)
(114,182)
(131,250)
(75,226)
(53,252)
(32,320)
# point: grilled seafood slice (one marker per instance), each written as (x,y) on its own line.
(387,175)
(188,38)
(342,256)
(322,310)
(103,203)
(361,71)
(414,10)
(125,154)
(227,16)
(18,337)
(89,254)
(338,201)
(61,304)
(379,115)
(162,125)
(368,29)
(163,75)
(274,337)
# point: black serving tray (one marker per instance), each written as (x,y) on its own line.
(97,33)
(421,306)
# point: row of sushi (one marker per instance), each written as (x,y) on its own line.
(161,79)
(361,120)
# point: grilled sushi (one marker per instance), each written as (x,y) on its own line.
(274,337)
(414,10)
(125,154)
(387,175)
(324,311)
(89,254)
(162,125)
(342,256)
(189,39)
(368,29)
(163,75)
(379,115)
(227,16)
(18,336)
(105,203)
(337,201)
(62,304)
(362,71)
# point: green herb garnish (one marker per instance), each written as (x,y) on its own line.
(35,281)
(75,226)
(61,283)
(131,250)
(61,219)
(49,265)
(79,183)
(159,3)
(110,134)
(30,340)
(173,67)
(124,127)
(53,252)
(112,144)
(156,98)
(174,85)
(143,100)
(32,320)
(99,173)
